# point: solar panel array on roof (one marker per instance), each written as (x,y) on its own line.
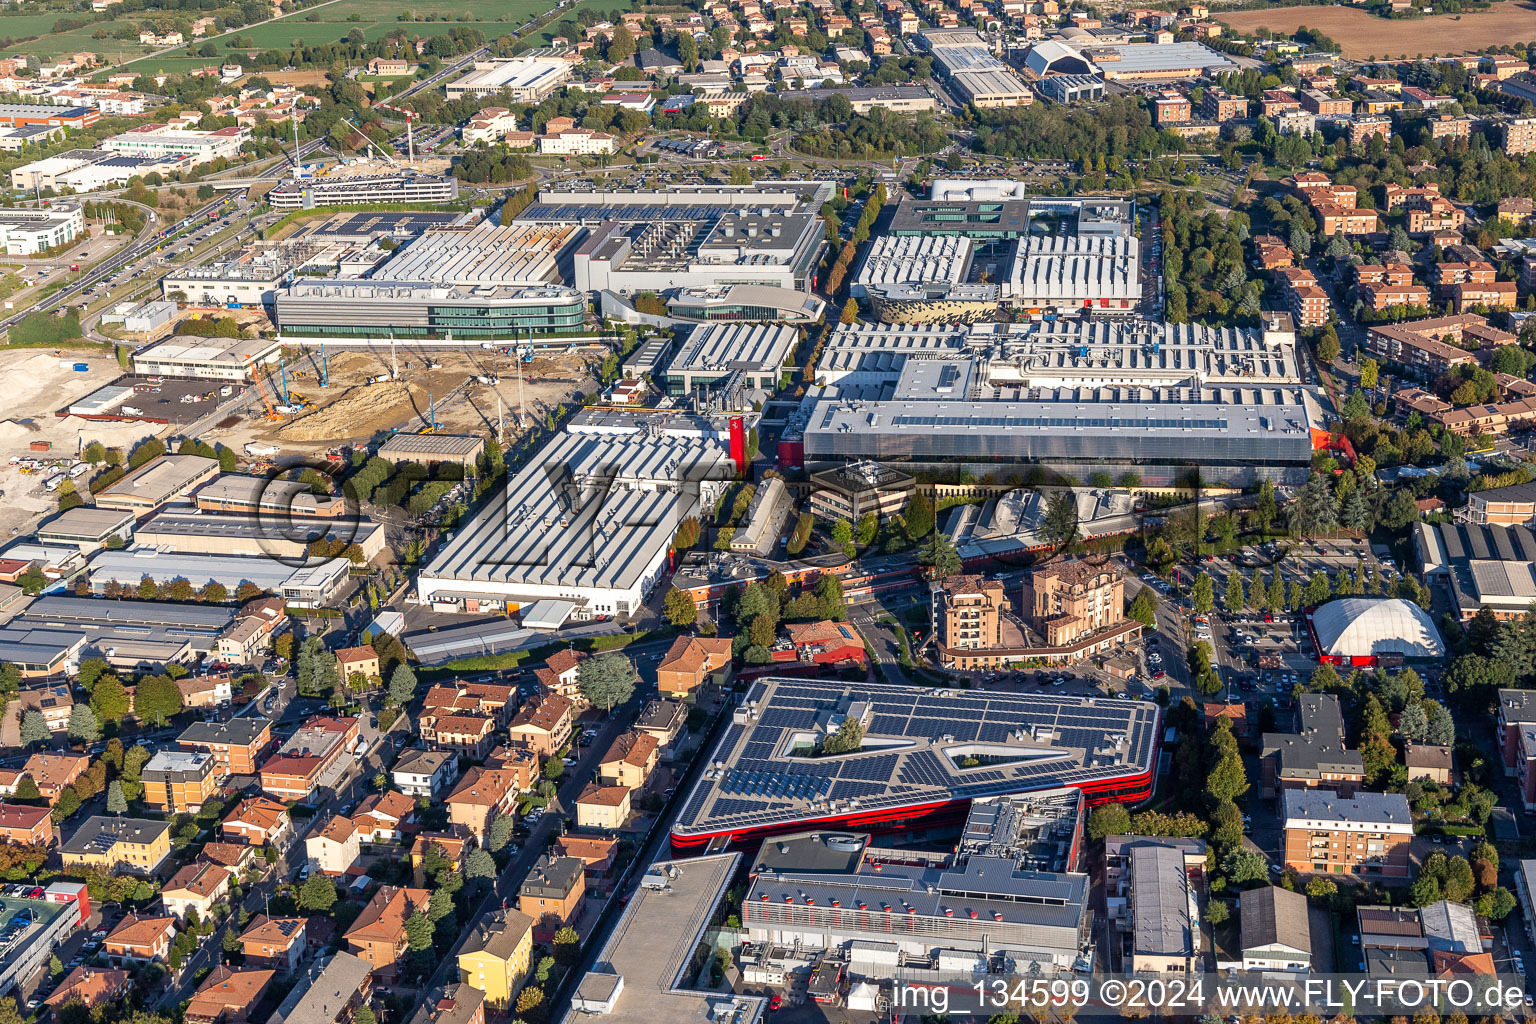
(915,742)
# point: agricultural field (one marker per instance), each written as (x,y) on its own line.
(1361,35)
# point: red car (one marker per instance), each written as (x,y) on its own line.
(775,1002)
(1159,674)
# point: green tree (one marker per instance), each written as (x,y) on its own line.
(68,803)
(157,700)
(567,946)
(941,554)
(499,833)
(607,679)
(479,864)
(680,609)
(850,313)
(26,789)
(83,725)
(418,932)
(1328,346)
(848,738)
(1203,594)
(1233,599)
(1108,820)
(1060,526)
(34,728)
(1144,607)
(402,685)
(919,517)
(1242,865)
(116,802)
(1370,372)
(318,894)
(440,905)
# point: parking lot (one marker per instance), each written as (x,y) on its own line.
(171,401)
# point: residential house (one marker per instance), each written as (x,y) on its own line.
(257,820)
(92,986)
(275,942)
(691,662)
(603,807)
(378,934)
(25,825)
(1428,761)
(251,632)
(53,772)
(197,887)
(488,700)
(207,690)
(382,817)
(560,674)
(333,848)
(543,723)
(358,661)
(823,643)
(235,856)
(480,796)
(595,852)
(140,939)
(470,735)
(227,996)
(629,761)
(426,773)
(495,956)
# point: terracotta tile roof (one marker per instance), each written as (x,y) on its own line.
(693,654)
(22,816)
(603,796)
(636,748)
(280,932)
(226,989)
(484,787)
(383,919)
(543,712)
(201,879)
(230,855)
(135,932)
(57,770)
(339,829)
(91,985)
(562,661)
(391,805)
(258,811)
(825,632)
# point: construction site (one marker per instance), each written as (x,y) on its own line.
(320,400)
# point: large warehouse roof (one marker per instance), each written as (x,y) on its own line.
(1355,627)
(915,742)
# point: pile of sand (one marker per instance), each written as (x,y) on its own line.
(359,412)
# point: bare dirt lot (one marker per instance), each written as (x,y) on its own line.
(1361,35)
(36,387)
(352,410)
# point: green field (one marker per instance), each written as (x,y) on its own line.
(376,18)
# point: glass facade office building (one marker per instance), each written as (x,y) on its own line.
(385,309)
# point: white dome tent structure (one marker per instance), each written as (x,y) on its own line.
(1373,630)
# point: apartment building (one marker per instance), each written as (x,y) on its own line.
(605,808)
(480,796)
(692,662)
(1518,136)
(133,845)
(378,935)
(1070,599)
(552,893)
(1319,103)
(1432,347)
(1366,834)
(179,781)
(334,847)
(53,773)
(237,745)
(1514,505)
(543,723)
(140,939)
(196,887)
(495,956)
(1315,756)
(969,610)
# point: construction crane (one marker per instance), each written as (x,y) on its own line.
(266,400)
(368,141)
